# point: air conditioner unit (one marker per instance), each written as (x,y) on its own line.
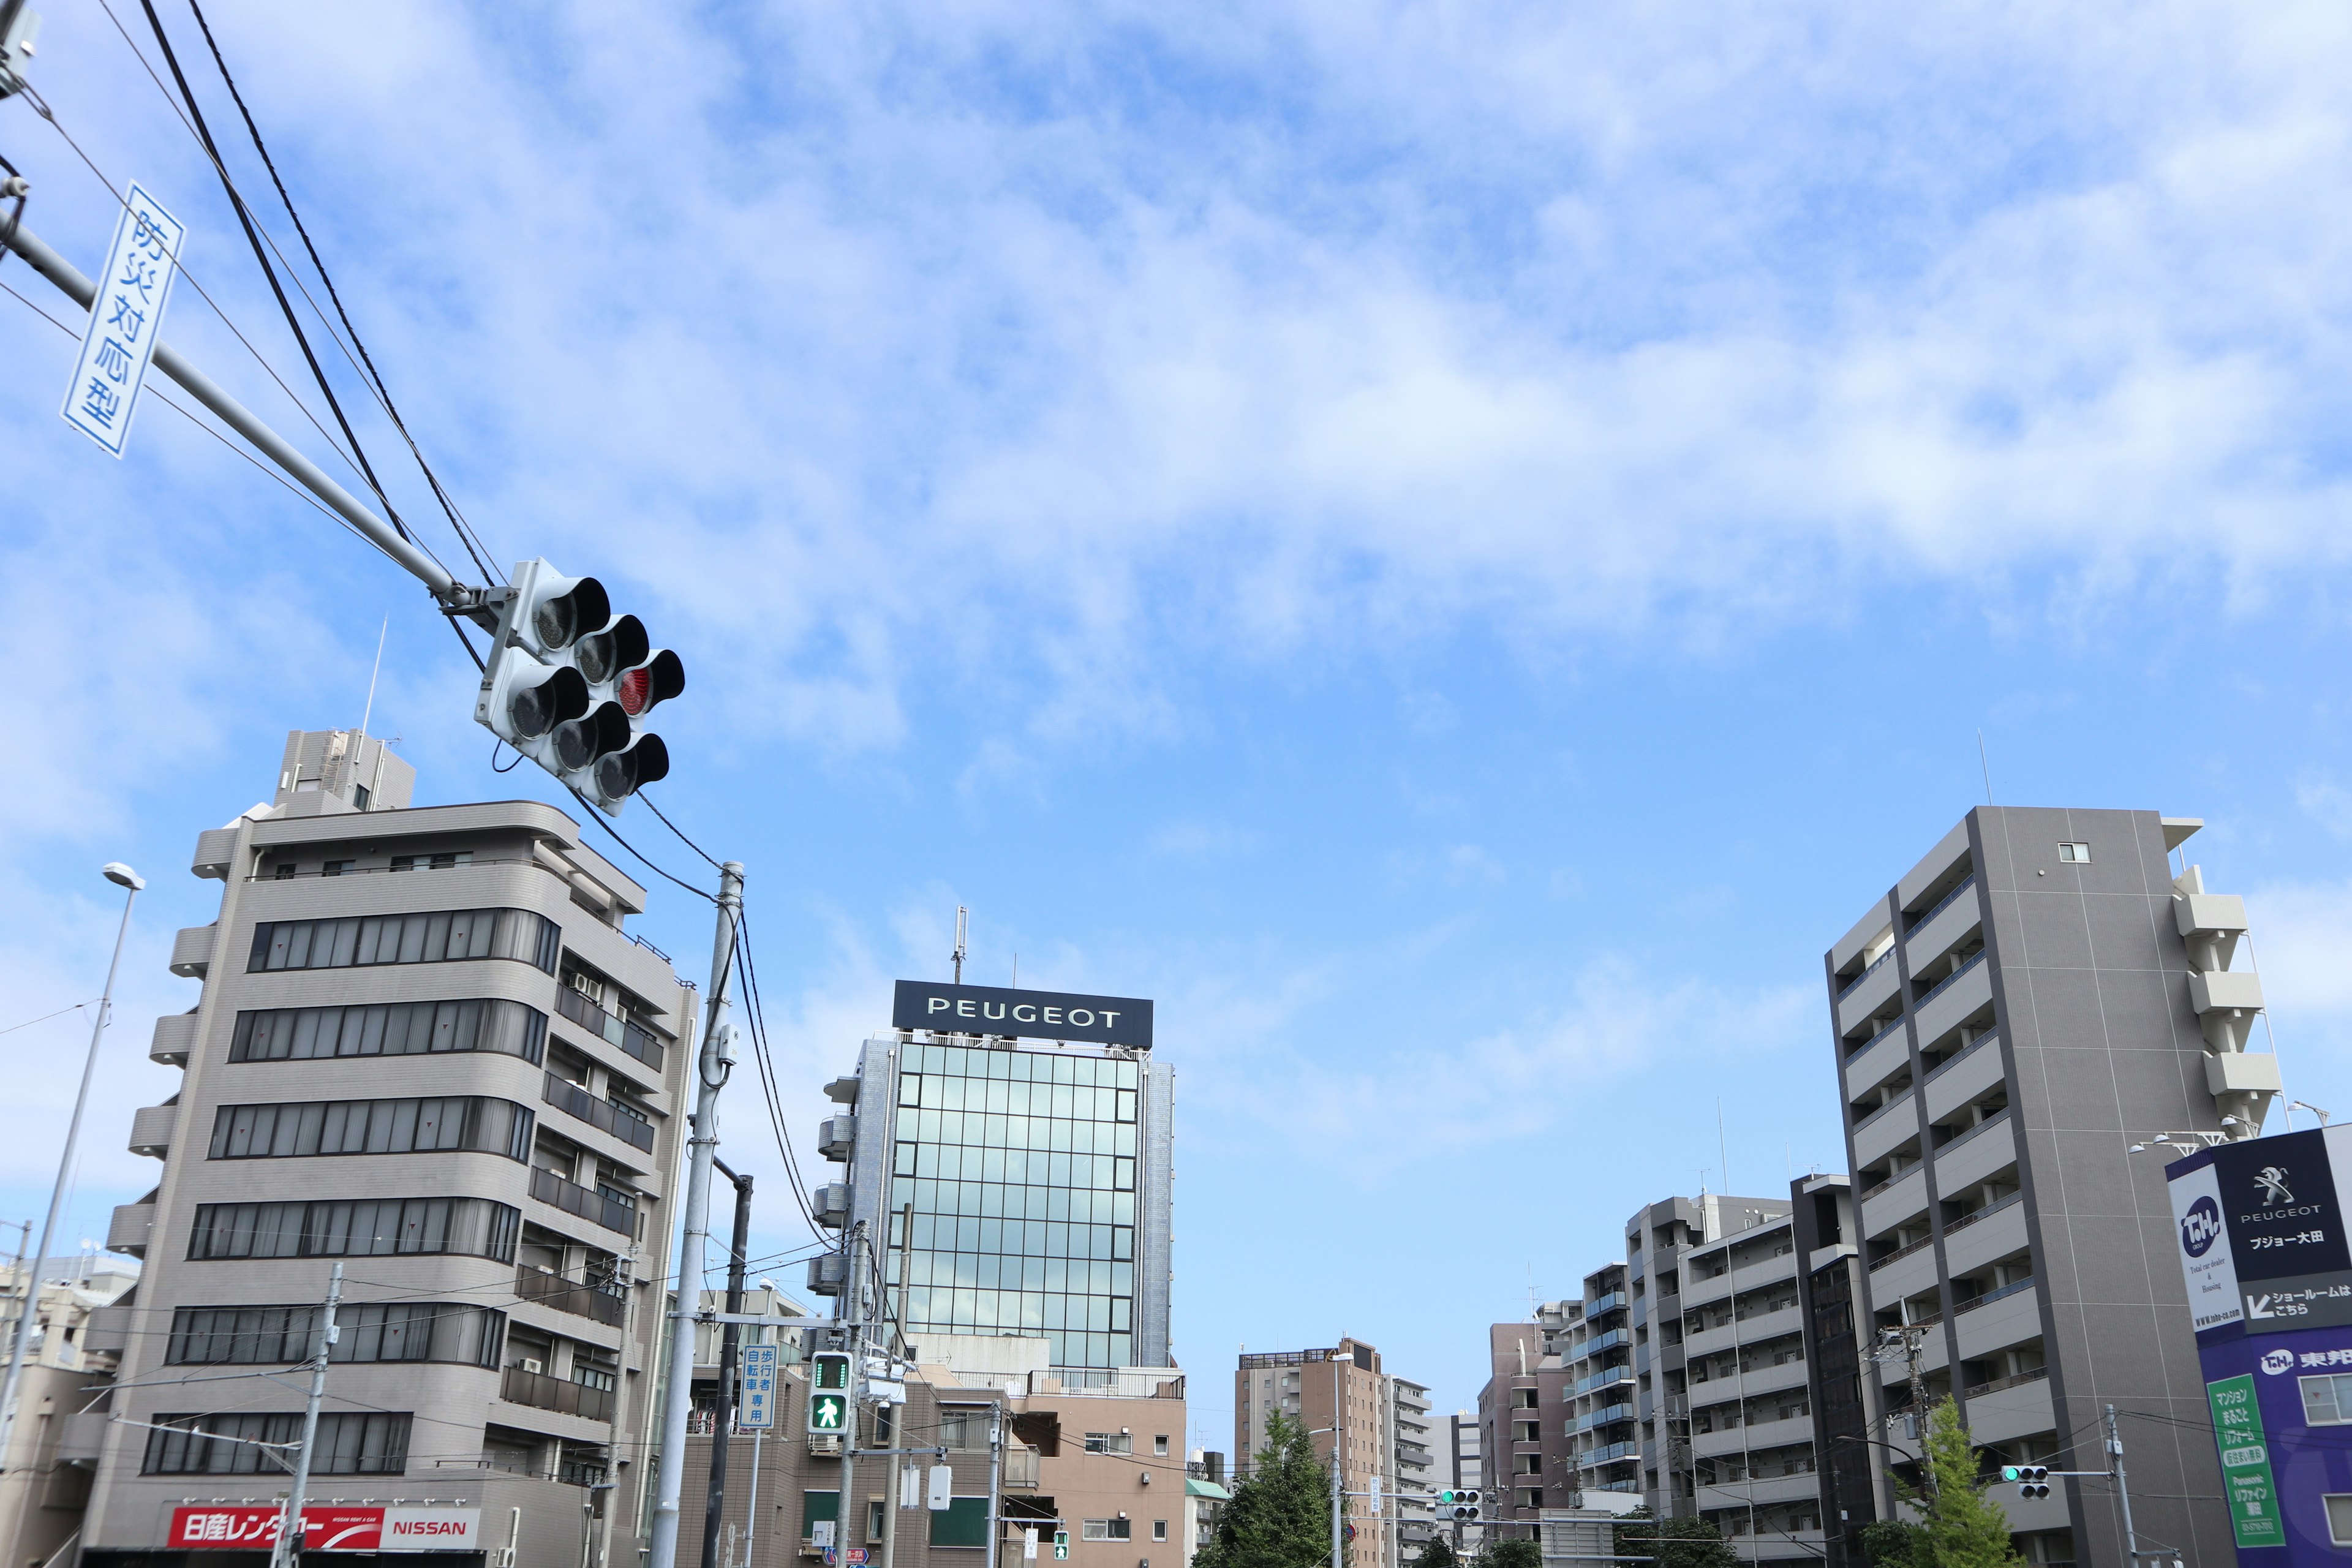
(829,1205)
(823,1444)
(533,1366)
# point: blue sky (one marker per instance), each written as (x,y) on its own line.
(1455,546)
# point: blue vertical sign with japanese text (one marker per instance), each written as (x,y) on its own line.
(756,1411)
(125,318)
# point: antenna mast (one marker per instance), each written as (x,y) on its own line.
(963,930)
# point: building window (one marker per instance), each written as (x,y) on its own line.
(441,862)
(873,1519)
(465,1121)
(286,870)
(390,1029)
(2328,1401)
(369,1332)
(356,1227)
(966,1429)
(405,939)
(346,1444)
(1159,1443)
(1158,1529)
(2073,854)
(2339,1517)
(1109,1443)
(1109,1530)
(336,868)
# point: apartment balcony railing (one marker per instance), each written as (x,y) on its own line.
(1615,1413)
(1989,1296)
(1936,989)
(1888,1180)
(1985,1212)
(632,1038)
(603,1115)
(1901,1252)
(1602,1379)
(1876,965)
(1901,1098)
(1593,1458)
(1946,902)
(1967,1051)
(1966,1133)
(1609,1304)
(519,1385)
(1892,1025)
(570,1296)
(1998,1384)
(589,1204)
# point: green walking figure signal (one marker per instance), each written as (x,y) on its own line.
(828,1402)
(1061,1545)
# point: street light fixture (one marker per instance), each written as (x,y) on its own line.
(123,877)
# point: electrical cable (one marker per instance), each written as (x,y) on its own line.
(496,741)
(466,534)
(269,273)
(467,644)
(682,839)
(598,817)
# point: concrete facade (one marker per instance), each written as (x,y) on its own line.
(1349,1405)
(1847,1420)
(485,1142)
(1523,1427)
(2038,993)
(53,1448)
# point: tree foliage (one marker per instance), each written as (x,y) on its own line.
(1437,1553)
(1280,1515)
(1516,1552)
(1959,1525)
(1678,1542)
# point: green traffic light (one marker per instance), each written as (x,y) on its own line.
(2013,1472)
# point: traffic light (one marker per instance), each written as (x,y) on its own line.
(1459,1506)
(828,1400)
(569,685)
(2032,1480)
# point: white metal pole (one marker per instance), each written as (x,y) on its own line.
(751,1515)
(125,878)
(288,1549)
(713,1064)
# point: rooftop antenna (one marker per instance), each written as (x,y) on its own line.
(962,929)
(1984,762)
(369,714)
(1016,972)
(1722,1149)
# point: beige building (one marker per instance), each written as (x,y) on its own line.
(51,1454)
(1101,1463)
(1377,1425)
(427,1048)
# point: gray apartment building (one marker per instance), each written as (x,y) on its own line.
(1021,1188)
(1523,1421)
(1596,1353)
(2038,993)
(427,1048)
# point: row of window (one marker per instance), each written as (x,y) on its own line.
(433,1124)
(347,1444)
(954,1307)
(390,1029)
(365,1332)
(357,1228)
(1014,1167)
(430,938)
(985,1272)
(1001,1097)
(1024,1239)
(1021,1066)
(1038,1134)
(1002,1200)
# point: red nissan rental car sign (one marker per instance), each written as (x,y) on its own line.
(328,1527)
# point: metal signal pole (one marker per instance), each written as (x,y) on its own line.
(728,1338)
(288,1547)
(713,1064)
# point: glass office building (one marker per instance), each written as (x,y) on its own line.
(1020,1191)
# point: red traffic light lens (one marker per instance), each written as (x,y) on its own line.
(657,680)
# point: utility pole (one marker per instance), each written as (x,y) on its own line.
(713,1064)
(1336,1561)
(890,1507)
(852,1301)
(2123,1487)
(287,1550)
(996,1479)
(722,1428)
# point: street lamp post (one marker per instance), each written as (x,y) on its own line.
(123,877)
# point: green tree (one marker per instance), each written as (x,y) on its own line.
(1280,1515)
(1895,1543)
(1679,1542)
(1435,1554)
(1963,1528)
(1516,1552)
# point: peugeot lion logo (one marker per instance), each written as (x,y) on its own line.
(2272,1182)
(2200,1226)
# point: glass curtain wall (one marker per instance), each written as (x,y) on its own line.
(1020,1169)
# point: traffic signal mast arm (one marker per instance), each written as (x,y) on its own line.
(456,597)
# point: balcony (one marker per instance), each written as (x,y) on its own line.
(1869,994)
(563,1295)
(1989,1147)
(1022,1469)
(1593,1457)
(175,1040)
(631,1037)
(215,854)
(128,1231)
(1611,1303)
(1881,1059)
(1957,997)
(1870,969)
(1968,1075)
(519,1386)
(574,1199)
(1605,1378)
(1949,923)
(151,1130)
(191,951)
(1880,1136)
(573,1101)
(1603,1417)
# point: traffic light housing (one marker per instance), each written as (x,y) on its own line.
(1460,1507)
(2032,1480)
(569,685)
(828,1400)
